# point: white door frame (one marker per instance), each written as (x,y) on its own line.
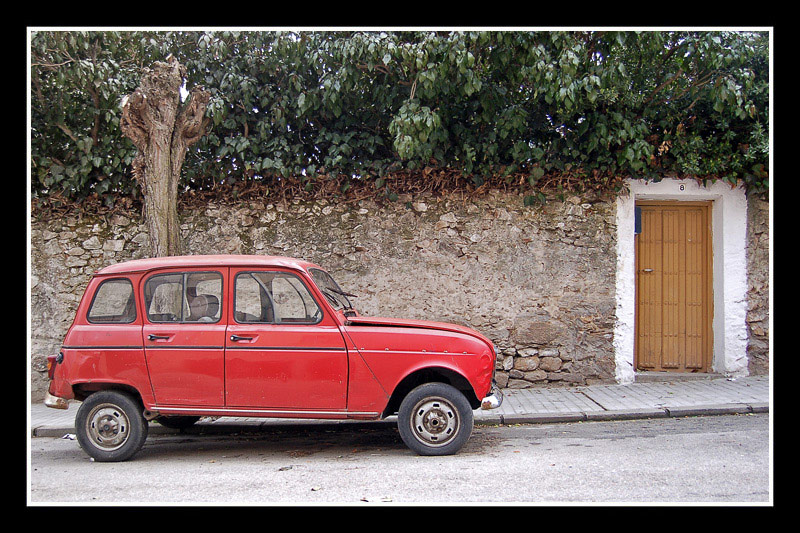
(729,277)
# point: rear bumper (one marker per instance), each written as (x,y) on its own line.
(493,400)
(55,402)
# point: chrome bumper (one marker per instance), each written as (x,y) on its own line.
(55,402)
(494,399)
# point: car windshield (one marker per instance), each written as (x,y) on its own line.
(336,296)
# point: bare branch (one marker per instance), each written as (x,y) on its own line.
(664,84)
(191,122)
(132,123)
(190,126)
(68,131)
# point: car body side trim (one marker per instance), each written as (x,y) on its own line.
(228,411)
(96,347)
(292,348)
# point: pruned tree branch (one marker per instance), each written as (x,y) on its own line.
(191,123)
(133,123)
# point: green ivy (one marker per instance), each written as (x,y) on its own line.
(364,104)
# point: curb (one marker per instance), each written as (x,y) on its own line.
(626,414)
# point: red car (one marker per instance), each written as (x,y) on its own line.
(174,339)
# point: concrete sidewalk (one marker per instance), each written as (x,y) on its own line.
(659,399)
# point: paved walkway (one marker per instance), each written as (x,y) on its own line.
(536,405)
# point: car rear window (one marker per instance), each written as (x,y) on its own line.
(113,303)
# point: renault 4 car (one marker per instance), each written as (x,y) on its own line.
(175,339)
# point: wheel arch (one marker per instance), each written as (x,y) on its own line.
(84,390)
(430,375)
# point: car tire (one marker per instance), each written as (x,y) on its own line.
(435,419)
(110,427)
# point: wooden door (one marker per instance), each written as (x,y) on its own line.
(673,286)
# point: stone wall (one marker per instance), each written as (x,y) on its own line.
(538,280)
(758,285)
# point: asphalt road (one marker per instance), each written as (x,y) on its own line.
(673,460)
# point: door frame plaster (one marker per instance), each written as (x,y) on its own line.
(729,276)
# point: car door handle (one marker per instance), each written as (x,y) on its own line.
(153,337)
(240,338)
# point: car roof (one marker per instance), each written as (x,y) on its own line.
(197,261)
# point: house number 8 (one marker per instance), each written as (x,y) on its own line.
(682,186)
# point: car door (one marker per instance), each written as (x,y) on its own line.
(283,352)
(184,337)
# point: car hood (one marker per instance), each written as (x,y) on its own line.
(409,323)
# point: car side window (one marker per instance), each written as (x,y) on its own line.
(113,303)
(187,297)
(269,297)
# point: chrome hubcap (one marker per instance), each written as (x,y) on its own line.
(107,426)
(435,421)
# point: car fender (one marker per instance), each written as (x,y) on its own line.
(393,352)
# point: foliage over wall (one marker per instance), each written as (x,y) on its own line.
(363,107)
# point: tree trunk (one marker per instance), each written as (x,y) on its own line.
(162,130)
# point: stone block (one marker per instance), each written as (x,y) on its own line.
(536,375)
(550,364)
(534,331)
(92,243)
(502,379)
(572,377)
(526,364)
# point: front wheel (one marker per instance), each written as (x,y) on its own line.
(435,419)
(110,426)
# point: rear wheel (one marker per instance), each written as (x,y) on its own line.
(110,426)
(435,419)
